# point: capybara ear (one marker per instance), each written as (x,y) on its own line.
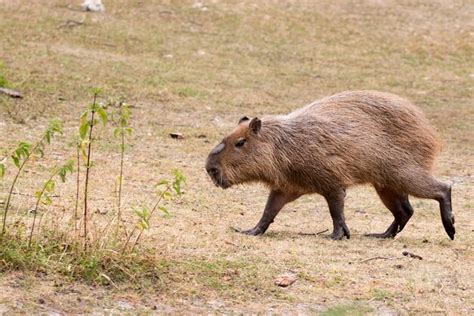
(255,125)
(243,119)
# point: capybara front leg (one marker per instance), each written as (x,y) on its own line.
(336,208)
(276,201)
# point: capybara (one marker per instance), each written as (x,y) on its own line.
(350,138)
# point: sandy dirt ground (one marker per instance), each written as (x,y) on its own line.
(196,68)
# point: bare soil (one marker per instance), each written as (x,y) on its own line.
(196,68)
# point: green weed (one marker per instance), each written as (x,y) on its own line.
(87,122)
(94,255)
(347,310)
(381,295)
(48,188)
(22,155)
(121,131)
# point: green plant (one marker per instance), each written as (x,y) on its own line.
(102,256)
(351,309)
(121,131)
(2,169)
(78,182)
(22,155)
(87,123)
(3,80)
(144,213)
(43,195)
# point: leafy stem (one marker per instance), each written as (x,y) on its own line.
(145,214)
(48,187)
(22,155)
(121,131)
(85,127)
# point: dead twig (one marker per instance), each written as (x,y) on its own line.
(31,195)
(71,24)
(376,258)
(11,93)
(231,243)
(412,255)
(314,234)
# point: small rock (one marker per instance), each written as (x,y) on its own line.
(215,304)
(285,280)
(4,309)
(124,305)
(218,121)
(41,301)
(176,135)
(93,5)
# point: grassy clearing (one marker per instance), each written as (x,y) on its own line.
(197,70)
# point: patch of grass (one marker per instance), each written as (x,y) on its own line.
(189,92)
(381,295)
(259,58)
(58,257)
(3,81)
(223,276)
(353,309)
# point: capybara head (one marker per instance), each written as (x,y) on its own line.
(238,158)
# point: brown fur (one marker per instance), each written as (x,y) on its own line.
(350,138)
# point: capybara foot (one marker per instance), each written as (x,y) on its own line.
(385,235)
(449,227)
(391,232)
(339,233)
(256,231)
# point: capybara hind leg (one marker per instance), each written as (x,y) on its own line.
(399,206)
(447,213)
(336,208)
(276,201)
(429,188)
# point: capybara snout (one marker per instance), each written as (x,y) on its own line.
(350,138)
(228,163)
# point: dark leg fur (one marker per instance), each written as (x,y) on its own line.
(399,206)
(276,201)
(336,208)
(447,216)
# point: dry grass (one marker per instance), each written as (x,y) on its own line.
(197,70)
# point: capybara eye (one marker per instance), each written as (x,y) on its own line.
(240,142)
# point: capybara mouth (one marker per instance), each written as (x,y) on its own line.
(220,181)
